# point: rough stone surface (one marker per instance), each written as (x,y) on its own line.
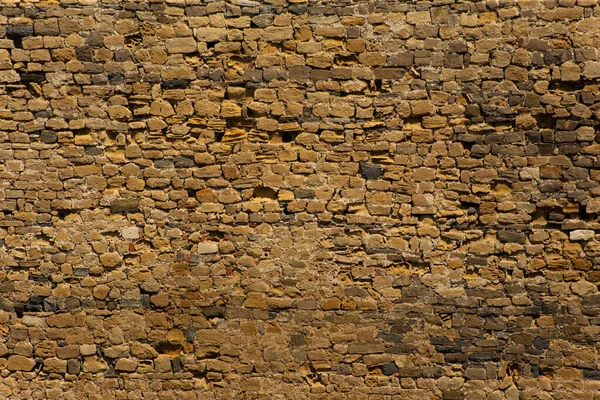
(299,199)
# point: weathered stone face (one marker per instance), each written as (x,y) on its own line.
(299,199)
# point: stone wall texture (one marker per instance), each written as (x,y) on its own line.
(292,199)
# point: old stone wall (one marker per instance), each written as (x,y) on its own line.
(292,199)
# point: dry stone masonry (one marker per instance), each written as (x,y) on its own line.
(300,199)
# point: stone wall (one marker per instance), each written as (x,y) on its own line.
(296,199)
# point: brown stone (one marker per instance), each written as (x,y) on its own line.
(20,363)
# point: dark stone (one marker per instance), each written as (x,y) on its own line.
(122,55)
(591,301)
(455,357)
(127,303)
(116,79)
(480,150)
(72,303)
(453,61)
(482,357)
(110,372)
(94,151)
(452,395)
(352,32)
(175,84)
(211,312)
(298,9)
(44,114)
(84,53)
(390,337)
(341,73)
(183,162)
(534,351)
(304,193)
(404,59)
(571,148)
(29,12)
(296,73)
(37,278)
(152,77)
(493,138)
(34,304)
(342,369)
(94,39)
(565,136)
(125,206)
(552,58)
(401,349)
(546,149)
(164,163)
(534,311)
(89,67)
(35,300)
(432,372)
(400,329)
(50,305)
(488,311)
(19,31)
(263,20)
(448,349)
(509,236)
(550,186)
(389,73)
(457,46)
(176,364)
(7,287)
(298,340)
(270,74)
(515,100)
(37,77)
(439,341)
(533,137)
(195,11)
(409,372)
(73,367)
(475,373)
(389,368)
(81,271)
(537,44)
(190,335)
(217,74)
(354,291)
(576,173)
(369,171)
(595,375)
(250,75)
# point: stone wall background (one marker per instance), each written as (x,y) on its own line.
(289,199)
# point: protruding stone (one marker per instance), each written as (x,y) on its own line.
(20,363)
(581,234)
(9,76)
(208,248)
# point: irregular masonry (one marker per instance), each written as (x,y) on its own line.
(323,199)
